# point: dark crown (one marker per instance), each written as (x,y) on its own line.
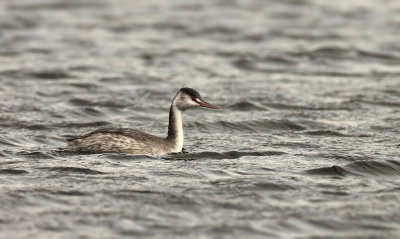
(191,92)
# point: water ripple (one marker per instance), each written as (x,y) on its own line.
(361,168)
(246,106)
(265,125)
(223,155)
(13,171)
(329,171)
(69,170)
(306,144)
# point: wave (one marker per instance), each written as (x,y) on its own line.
(334,133)
(82,125)
(13,171)
(378,102)
(112,103)
(83,68)
(8,142)
(372,167)
(77,170)
(327,133)
(221,155)
(36,154)
(263,67)
(271,186)
(335,52)
(54,6)
(329,171)
(252,185)
(252,126)
(361,168)
(51,74)
(246,106)
(119,156)
(344,106)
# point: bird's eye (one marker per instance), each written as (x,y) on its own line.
(194,99)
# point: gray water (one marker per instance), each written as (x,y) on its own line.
(305,146)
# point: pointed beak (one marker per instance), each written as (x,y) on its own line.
(204,104)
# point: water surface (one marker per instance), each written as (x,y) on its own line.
(306,144)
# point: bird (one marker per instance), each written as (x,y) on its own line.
(131,141)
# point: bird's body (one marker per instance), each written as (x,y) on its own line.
(130,141)
(122,140)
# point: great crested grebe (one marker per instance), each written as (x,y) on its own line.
(130,141)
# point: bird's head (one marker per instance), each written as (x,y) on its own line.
(187,98)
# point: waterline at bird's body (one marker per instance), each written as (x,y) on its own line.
(124,140)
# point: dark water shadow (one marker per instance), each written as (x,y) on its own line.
(74,170)
(364,168)
(248,126)
(246,106)
(126,157)
(373,167)
(220,155)
(50,74)
(10,171)
(329,171)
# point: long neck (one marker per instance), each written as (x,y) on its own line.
(175,130)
